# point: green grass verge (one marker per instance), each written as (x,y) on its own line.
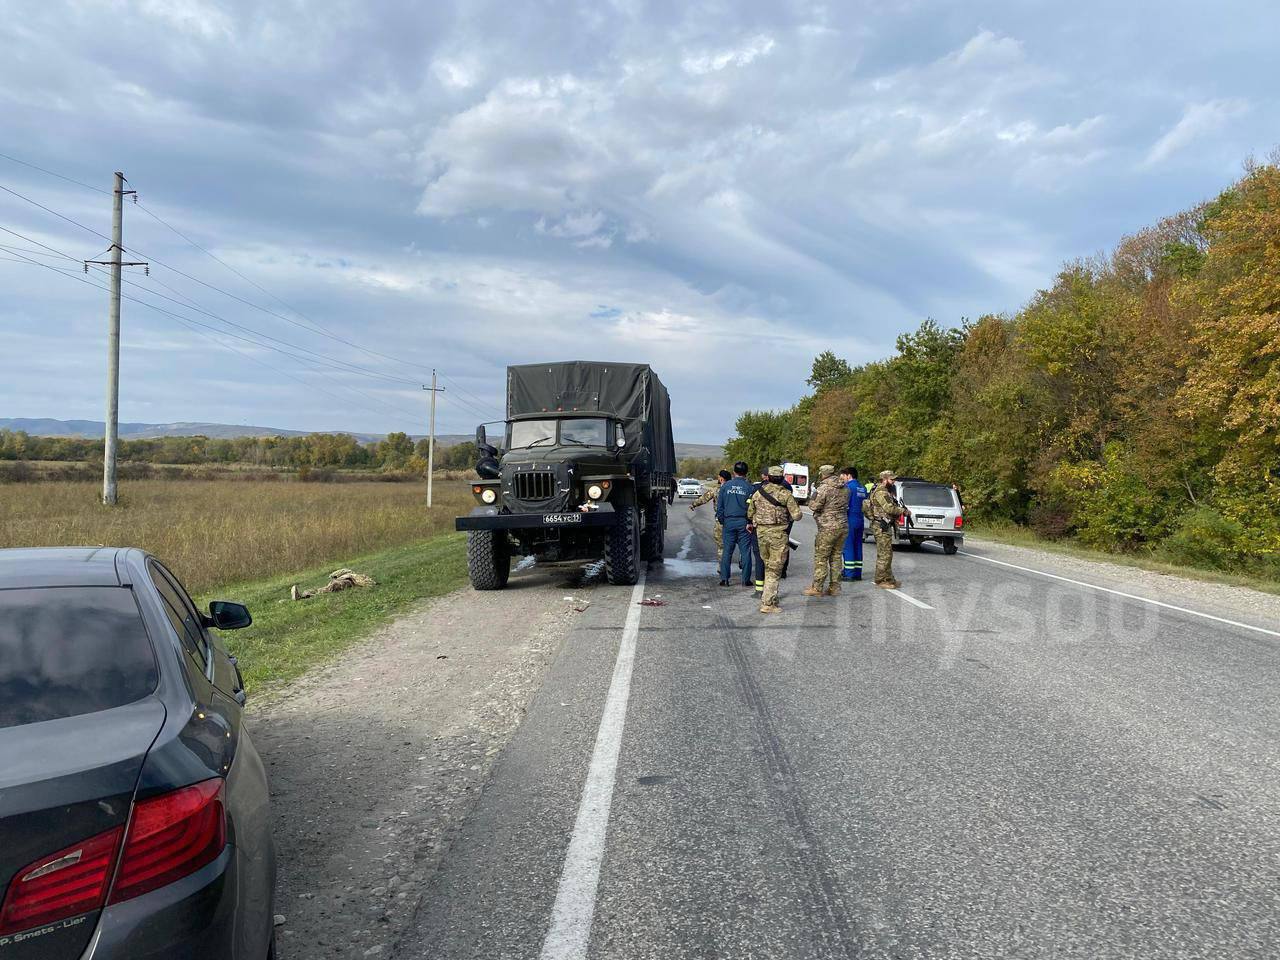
(290,637)
(1002,531)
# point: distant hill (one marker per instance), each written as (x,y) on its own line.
(44,427)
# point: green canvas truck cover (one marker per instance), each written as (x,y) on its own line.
(630,391)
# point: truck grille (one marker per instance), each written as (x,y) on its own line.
(536,485)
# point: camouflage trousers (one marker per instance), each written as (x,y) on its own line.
(719,537)
(773,551)
(828,556)
(884,554)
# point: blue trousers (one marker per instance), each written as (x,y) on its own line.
(853,553)
(735,535)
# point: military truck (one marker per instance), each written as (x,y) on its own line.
(586,472)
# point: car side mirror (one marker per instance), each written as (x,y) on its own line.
(226,615)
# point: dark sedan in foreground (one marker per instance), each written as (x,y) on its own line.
(134,818)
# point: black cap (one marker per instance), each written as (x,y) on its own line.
(740,468)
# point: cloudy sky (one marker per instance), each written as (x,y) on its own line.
(719,189)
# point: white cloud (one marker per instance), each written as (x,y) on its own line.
(1198,120)
(711,62)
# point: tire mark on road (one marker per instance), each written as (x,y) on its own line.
(826,902)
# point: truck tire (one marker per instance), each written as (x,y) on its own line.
(488,559)
(655,530)
(622,548)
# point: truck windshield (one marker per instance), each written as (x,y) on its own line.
(532,433)
(593,432)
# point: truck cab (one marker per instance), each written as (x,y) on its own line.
(584,473)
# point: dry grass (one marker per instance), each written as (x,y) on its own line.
(218,533)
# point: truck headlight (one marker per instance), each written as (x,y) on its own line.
(595,492)
(489,495)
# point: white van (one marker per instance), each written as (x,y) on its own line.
(797,474)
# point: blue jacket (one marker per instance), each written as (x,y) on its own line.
(857,493)
(731,501)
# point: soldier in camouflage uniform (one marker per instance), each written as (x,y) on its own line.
(883,508)
(769,510)
(830,506)
(709,496)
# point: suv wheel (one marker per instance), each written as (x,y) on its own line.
(488,559)
(622,548)
(949,547)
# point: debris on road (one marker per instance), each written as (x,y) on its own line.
(342,579)
(652,602)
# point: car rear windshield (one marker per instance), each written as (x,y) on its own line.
(65,651)
(927,495)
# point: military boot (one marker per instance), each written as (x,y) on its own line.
(770,608)
(812,592)
(833,590)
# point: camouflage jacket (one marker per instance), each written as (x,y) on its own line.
(763,513)
(707,496)
(830,504)
(884,505)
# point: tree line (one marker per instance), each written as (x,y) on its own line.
(314,450)
(1133,405)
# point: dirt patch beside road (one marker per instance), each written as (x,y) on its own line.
(375,760)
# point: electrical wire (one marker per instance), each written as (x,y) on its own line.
(193,324)
(60,216)
(78,183)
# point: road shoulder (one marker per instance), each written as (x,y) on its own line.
(376,759)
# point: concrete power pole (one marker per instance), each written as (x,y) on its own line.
(431,439)
(113,345)
(113,337)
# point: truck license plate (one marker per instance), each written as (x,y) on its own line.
(560,518)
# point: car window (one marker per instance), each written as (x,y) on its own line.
(66,651)
(182,614)
(927,495)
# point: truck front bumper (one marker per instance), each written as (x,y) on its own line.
(488,518)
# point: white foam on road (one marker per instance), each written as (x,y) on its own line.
(1127,596)
(570,930)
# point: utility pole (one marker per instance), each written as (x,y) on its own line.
(113,337)
(431,441)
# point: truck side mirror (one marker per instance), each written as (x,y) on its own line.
(621,440)
(482,440)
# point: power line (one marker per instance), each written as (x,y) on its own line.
(55,213)
(78,183)
(193,324)
(314,326)
(464,390)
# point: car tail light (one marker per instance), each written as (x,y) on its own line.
(170,836)
(959,522)
(902,520)
(64,884)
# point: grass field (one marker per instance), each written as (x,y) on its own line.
(289,637)
(250,541)
(216,533)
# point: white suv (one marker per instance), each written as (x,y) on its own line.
(934,513)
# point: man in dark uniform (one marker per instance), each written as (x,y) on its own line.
(731,513)
(853,543)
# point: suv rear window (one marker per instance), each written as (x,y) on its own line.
(927,495)
(65,651)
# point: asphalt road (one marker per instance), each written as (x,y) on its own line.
(1012,765)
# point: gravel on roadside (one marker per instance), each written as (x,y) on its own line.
(376,759)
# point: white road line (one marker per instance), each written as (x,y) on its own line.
(570,928)
(919,603)
(1128,596)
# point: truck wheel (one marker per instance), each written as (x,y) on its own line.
(622,549)
(655,530)
(488,559)
(949,547)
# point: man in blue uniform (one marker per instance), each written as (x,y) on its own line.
(731,512)
(853,542)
